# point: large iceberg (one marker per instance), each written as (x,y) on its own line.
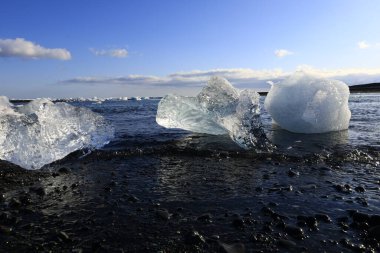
(306,104)
(41,131)
(218,109)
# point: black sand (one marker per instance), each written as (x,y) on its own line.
(171,199)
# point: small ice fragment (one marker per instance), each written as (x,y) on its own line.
(41,131)
(306,104)
(218,109)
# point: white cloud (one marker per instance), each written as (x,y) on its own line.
(241,77)
(20,47)
(363,44)
(282,53)
(117,53)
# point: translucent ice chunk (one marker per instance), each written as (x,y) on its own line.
(218,109)
(186,113)
(41,132)
(306,104)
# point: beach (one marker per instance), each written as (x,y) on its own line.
(166,190)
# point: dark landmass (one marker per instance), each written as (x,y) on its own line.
(365,88)
(175,199)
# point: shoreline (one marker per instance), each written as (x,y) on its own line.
(261,93)
(179,201)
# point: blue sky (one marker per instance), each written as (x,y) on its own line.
(150,48)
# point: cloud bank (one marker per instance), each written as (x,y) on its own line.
(116,53)
(282,53)
(22,48)
(249,78)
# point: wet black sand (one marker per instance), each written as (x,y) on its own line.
(169,198)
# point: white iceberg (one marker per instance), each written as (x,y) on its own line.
(306,104)
(218,109)
(41,131)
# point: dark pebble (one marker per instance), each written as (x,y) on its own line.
(295,232)
(194,238)
(205,217)
(292,173)
(238,222)
(343,188)
(374,220)
(133,199)
(64,170)
(163,214)
(5,230)
(2,197)
(323,217)
(375,232)
(62,235)
(360,217)
(38,190)
(259,189)
(310,221)
(14,203)
(359,189)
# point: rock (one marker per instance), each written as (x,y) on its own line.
(14,203)
(359,189)
(2,197)
(323,217)
(293,173)
(133,199)
(163,214)
(5,230)
(360,217)
(205,217)
(238,222)
(295,232)
(64,170)
(375,220)
(62,235)
(39,190)
(375,232)
(194,238)
(310,221)
(343,188)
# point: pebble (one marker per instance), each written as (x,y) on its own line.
(194,238)
(64,170)
(163,214)
(5,230)
(323,217)
(38,190)
(295,232)
(293,173)
(238,222)
(205,217)
(63,236)
(359,189)
(375,232)
(2,197)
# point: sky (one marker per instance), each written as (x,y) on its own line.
(117,48)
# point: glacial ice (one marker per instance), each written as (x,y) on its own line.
(218,109)
(306,104)
(41,131)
